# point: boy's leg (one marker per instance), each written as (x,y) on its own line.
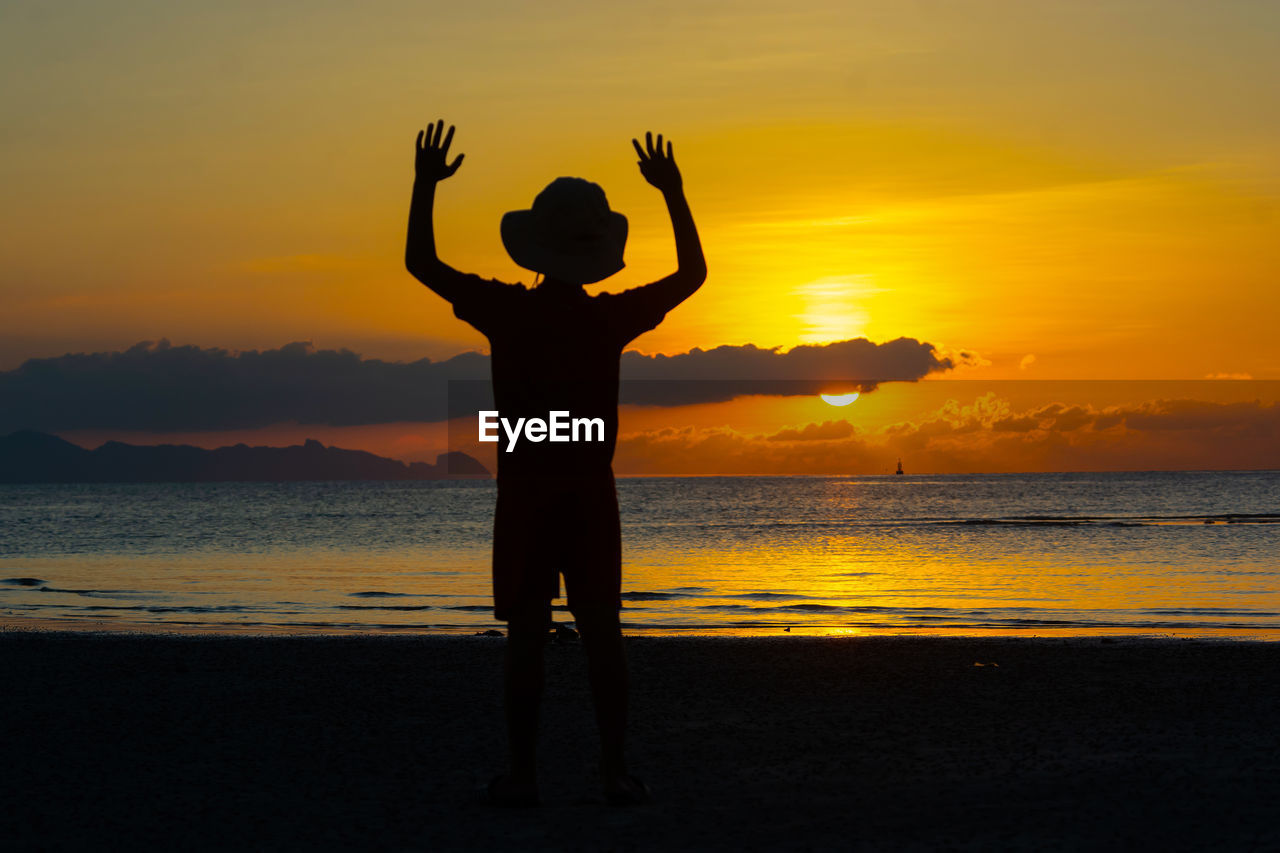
(607,665)
(523,588)
(526,636)
(593,581)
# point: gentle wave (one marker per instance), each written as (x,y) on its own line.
(96,593)
(703,592)
(652,596)
(1119,520)
(927,521)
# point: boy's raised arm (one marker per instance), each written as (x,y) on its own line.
(659,169)
(431,166)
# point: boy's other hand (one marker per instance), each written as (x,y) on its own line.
(657,166)
(431,161)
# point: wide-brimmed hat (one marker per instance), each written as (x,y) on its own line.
(569,234)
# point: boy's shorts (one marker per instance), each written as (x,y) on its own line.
(545,526)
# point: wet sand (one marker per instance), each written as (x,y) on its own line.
(289,743)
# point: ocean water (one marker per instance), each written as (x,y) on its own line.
(1046,554)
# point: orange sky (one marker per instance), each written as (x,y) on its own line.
(1072,191)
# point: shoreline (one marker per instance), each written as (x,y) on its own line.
(383,742)
(94,627)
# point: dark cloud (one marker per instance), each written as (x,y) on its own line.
(1152,416)
(985,436)
(1200,415)
(824,431)
(163,388)
(726,372)
(1057,418)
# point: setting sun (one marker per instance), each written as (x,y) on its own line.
(839,399)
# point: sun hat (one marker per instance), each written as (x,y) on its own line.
(570,233)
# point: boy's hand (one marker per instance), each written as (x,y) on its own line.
(658,168)
(432,159)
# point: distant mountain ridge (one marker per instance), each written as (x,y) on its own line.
(27,456)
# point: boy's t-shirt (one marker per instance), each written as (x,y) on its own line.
(556,348)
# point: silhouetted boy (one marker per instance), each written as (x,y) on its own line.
(555,348)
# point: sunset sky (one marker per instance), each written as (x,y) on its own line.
(1059,191)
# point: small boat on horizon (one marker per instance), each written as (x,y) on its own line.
(899,471)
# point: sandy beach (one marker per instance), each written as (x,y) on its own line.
(382,743)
